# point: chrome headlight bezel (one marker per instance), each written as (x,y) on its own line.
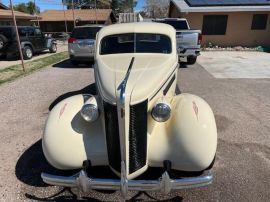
(161,112)
(89,111)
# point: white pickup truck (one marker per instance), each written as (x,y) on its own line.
(188,40)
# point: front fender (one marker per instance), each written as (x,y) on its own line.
(68,139)
(26,43)
(188,139)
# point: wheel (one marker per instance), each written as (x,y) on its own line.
(3,56)
(191,60)
(3,41)
(53,48)
(27,53)
(74,62)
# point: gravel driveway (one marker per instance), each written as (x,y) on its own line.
(241,107)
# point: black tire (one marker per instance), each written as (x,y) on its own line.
(53,48)
(27,53)
(74,62)
(3,56)
(3,41)
(191,60)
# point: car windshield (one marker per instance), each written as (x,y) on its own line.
(85,32)
(177,24)
(135,43)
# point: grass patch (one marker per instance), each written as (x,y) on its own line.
(15,71)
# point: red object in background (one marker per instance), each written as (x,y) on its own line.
(71,40)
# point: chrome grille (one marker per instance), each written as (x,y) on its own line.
(137,136)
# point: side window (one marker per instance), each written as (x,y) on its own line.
(214,24)
(22,31)
(31,32)
(259,22)
(38,32)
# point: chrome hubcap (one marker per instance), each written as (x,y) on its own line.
(1,44)
(28,53)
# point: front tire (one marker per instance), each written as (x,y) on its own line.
(191,60)
(53,48)
(74,62)
(3,41)
(27,52)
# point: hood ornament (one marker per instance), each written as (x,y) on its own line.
(122,85)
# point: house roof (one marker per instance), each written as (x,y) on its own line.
(7,14)
(221,5)
(82,15)
(2,6)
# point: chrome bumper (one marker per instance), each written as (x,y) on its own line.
(165,184)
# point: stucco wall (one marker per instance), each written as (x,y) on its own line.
(238,28)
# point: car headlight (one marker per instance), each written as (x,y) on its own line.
(161,112)
(89,111)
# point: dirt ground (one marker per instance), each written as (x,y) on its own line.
(242,111)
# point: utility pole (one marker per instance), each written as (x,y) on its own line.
(36,12)
(65,18)
(17,34)
(96,10)
(74,23)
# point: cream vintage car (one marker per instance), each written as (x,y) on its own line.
(136,121)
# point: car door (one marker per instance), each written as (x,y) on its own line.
(32,38)
(39,39)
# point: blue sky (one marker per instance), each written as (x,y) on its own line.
(140,5)
(56,4)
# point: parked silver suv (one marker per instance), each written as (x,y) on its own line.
(81,44)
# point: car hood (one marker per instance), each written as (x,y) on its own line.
(147,74)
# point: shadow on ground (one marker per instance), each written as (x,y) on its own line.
(67,64)
(32,163)
(90,89)
(183,65)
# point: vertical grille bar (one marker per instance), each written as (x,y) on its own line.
(112,136)
(137,136)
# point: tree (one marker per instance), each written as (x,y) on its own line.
(29,7)
(156,8)
(118,6)
(87,4)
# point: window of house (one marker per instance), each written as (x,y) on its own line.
(214,24)
(259,21)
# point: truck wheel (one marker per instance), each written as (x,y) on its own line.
(27,53)
(191,60)
(53,48)
(3,41)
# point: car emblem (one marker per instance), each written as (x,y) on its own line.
(122,86)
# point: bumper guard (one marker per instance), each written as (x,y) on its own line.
(164,184)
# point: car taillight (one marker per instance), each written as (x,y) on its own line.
(71,40)
(199,39)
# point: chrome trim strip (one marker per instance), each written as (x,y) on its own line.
(164,184)
(123,84)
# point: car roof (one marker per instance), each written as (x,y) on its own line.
(11,26)
(90,25)
(138,27)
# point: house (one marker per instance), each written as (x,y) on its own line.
(54,20)
(21,18)
(227,22)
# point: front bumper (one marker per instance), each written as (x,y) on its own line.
(164,184)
